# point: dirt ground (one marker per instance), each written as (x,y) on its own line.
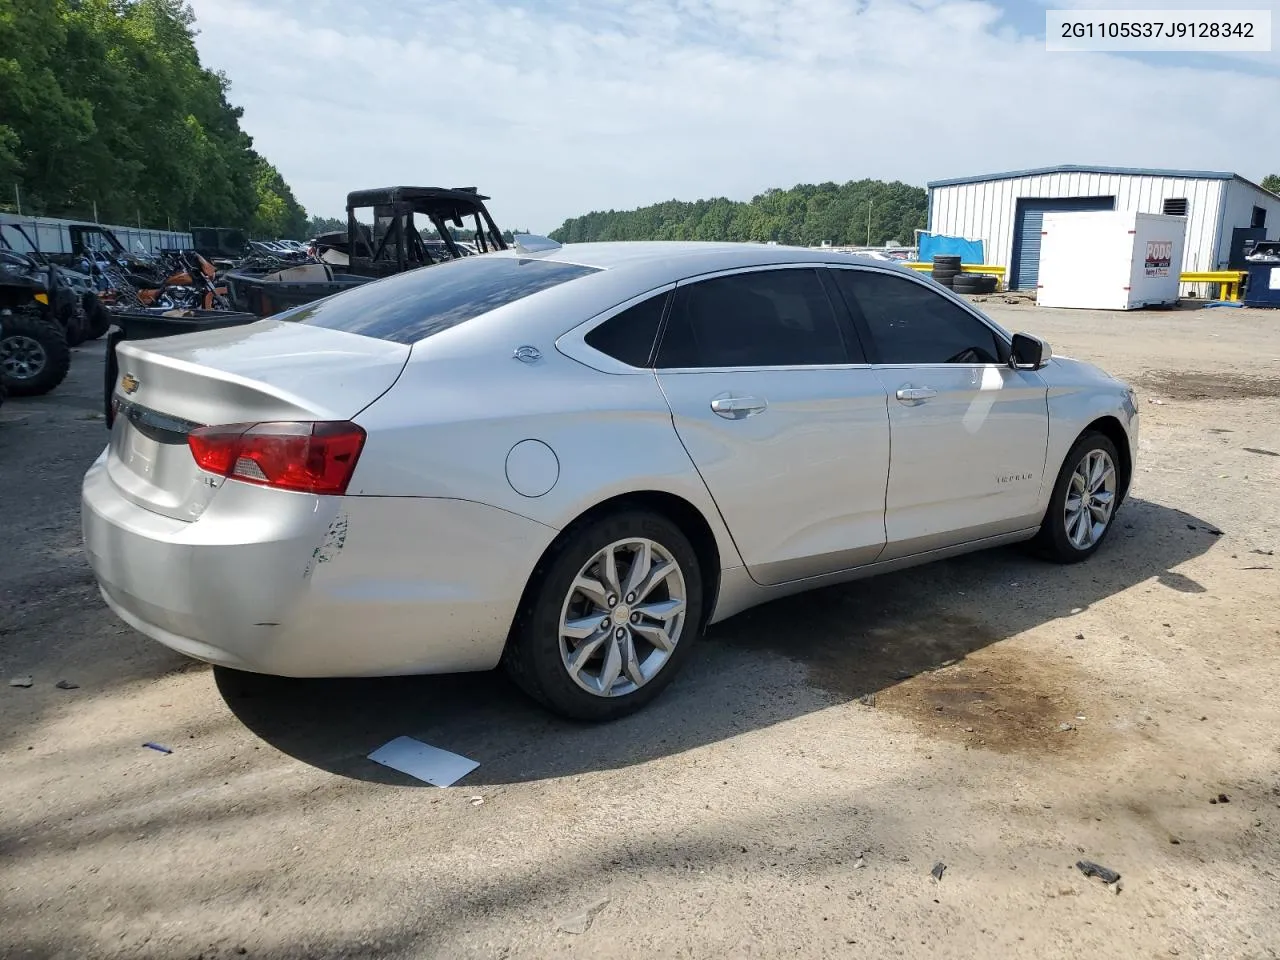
(787,797)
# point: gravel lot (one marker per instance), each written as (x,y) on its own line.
(787,797)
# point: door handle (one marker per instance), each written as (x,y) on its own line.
(916,394)
(737,408)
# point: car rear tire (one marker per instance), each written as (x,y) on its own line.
(1086,496)
(34,356)
(608,618)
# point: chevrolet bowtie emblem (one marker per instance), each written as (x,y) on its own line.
(129,383)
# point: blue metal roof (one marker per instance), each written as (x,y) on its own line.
(1076,168)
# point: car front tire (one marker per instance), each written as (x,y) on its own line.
(1086,495)
(608,618)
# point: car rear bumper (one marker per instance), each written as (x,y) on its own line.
(304,586)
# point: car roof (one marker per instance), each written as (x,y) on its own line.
(621,272)
(690,256)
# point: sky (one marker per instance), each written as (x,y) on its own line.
(554,108)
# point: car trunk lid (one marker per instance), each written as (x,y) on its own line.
(266,371)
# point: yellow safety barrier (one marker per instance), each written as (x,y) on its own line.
(1231,280)
(997,271)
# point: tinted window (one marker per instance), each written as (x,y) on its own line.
(629,335)
(412,306)
(762,319)
(910,323)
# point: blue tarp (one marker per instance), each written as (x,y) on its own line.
(932,244)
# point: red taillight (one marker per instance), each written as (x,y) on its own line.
(310,457)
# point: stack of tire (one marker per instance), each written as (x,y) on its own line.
(947,271)
(969,284)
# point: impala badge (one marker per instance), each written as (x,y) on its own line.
(129,383)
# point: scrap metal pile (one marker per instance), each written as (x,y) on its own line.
(52,302)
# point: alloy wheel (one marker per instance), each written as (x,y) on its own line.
(21,358)
(623,617)
(1091,499)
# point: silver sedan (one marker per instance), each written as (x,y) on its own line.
(571,460)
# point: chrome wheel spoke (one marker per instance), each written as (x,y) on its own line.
(581,628)
(578,659)
(1077,531)
(657,574)
(641,563)
(656,634)
(1104,496)
(609,573)
(630,662)
(1095,468)
(593,590)
(611,667)
(662,609)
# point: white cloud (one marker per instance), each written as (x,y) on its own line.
(557,107)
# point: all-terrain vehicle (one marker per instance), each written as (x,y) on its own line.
(392,244)
(74,296)
(34,355)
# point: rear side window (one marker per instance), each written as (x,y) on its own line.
(764,318)
(412,306)
(628,336)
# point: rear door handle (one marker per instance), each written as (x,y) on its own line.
(737,408)
(916,394)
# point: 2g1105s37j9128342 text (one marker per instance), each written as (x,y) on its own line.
(1222,31)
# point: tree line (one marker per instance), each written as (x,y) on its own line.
(857,212)
(104,105)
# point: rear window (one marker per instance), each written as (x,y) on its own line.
(412,306)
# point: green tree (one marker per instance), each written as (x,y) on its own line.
(105,105)
(319,225)
(807,214)
(1272,182)
(278,215)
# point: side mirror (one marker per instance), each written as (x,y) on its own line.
(1029,352)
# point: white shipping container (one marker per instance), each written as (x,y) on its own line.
(1110,261)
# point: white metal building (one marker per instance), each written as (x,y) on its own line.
(1006,210)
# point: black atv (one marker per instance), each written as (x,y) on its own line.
(74,301)
(34,354)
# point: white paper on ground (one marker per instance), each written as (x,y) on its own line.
(421,760)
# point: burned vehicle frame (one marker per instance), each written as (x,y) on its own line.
(395,243)
(392,244)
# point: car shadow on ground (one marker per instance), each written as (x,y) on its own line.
(771,664)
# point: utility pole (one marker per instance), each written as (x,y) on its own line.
(868,223)
(95,212)
(17,199)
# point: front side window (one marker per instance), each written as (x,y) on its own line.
(765,318)
(909,323)
(411,306)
